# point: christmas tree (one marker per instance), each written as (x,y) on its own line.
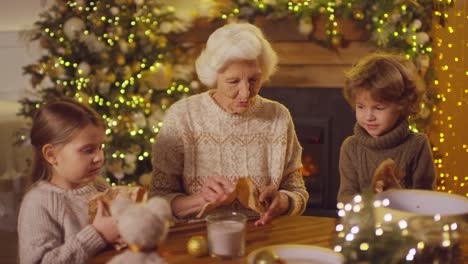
(118,57)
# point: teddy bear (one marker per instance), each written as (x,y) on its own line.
(143,226)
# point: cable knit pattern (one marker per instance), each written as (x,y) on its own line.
(199,140)
(53,226)
(361,154)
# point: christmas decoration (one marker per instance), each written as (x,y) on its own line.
(367,233)
(120,58)
(396,26)
(117,57)
(197,246)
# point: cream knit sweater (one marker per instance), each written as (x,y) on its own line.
(53,226)
(199,140)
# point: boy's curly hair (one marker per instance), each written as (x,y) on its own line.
(388,78)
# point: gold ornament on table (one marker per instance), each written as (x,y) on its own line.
(267,256)
(197,246)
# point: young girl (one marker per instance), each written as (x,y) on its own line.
(384,91)
(53,221)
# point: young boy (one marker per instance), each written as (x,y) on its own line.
(384,91)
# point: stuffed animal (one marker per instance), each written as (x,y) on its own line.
(143,226)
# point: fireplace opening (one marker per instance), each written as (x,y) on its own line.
(322,119)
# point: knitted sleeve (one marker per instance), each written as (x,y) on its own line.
(168,157)
(349,181)
(292,183)
(424,171)
(41,236)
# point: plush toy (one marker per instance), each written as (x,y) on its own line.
(143,226)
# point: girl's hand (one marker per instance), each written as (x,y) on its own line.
(278,204)
(216,189)
(106,225)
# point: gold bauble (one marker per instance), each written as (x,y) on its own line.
(132,45)
(111,77)
(136,67)
(266,256)
(336,41)
(104,55)
(120,60)
(358,14)
(197,246)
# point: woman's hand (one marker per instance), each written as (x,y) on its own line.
(278,203)
(106,225)
(216,189)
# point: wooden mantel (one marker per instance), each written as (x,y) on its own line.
(308,65)
(302,63)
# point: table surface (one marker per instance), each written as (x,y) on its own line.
(306,230)
(318,231)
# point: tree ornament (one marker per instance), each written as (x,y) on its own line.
(145,180)
(114,10)
(123,46)
(336,41)
(111,77)
(395,17)
(103,87)
(422,38)
(416,24)
(197,246)
(305,26)
(139,2)
(136,67)
(73,27)
(83,69)
(92,43)
(358,14)
(139,119)
(130,158)
(120,60)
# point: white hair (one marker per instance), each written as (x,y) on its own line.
(236,41)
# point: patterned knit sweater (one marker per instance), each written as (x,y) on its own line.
(53,226)
(199,140)
(361,154)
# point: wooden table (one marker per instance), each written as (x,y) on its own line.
(319,231)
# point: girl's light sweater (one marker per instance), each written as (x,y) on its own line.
(53,226)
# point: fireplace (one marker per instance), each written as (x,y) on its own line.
(322,119)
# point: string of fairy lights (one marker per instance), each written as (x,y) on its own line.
(370,231)
(450,146)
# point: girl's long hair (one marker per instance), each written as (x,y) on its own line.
(57,122)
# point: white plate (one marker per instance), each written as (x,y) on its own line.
(301,254)
(408,203)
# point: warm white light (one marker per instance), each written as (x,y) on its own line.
(388,217)
(403,224)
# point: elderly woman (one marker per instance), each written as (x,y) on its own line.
(210,140)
